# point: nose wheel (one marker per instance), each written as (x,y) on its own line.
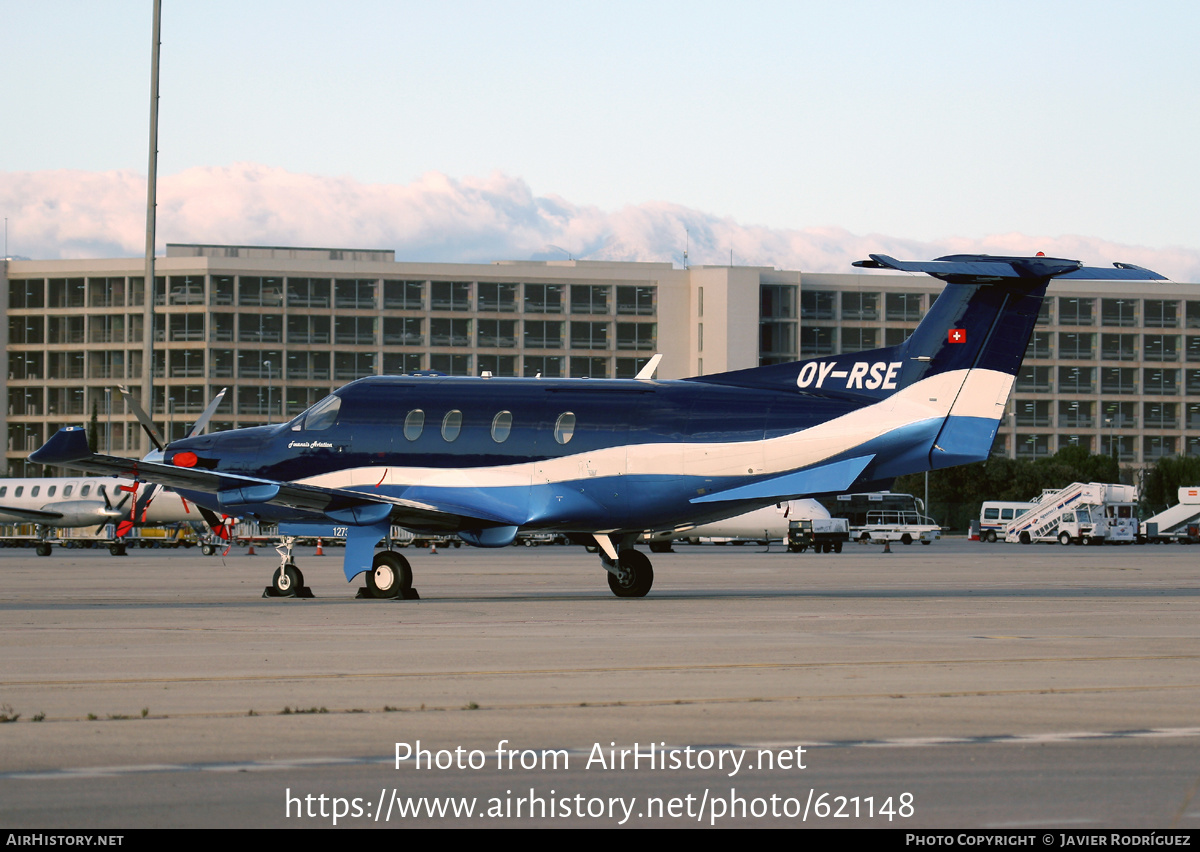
(287,581)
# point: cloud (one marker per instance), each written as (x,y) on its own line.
(71,214)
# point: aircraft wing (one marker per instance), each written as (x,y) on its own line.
(236,492)
(32,515)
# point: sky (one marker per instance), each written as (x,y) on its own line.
(786,134)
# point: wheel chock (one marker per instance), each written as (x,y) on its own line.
(301,592)
(406,595)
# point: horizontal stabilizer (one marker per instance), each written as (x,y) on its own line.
(823,479)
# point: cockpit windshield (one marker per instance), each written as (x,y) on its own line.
(321,416)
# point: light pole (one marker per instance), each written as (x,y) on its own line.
(108,425)
(270,389)
(170,418)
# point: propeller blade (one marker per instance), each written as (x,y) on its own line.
(202,422)
(217,525)
(143,418)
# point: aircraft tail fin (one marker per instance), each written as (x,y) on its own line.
(973,337)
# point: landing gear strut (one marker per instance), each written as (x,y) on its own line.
(287,581)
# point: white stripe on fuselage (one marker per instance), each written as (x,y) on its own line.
(974,393)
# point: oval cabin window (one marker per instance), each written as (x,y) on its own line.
(414,424)
(451,425)
(564,427)
(501,426)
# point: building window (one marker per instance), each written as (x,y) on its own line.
(543,298)
(449,332)
(1076,379)
(817,340)
(1119,312)
(354,330)
(498,298)
(260,292)
(26,293)
(451,365)
(1161,313)
(450,295)
(498,365)
(1076,414)
(404,295)
(308,292)
(636,301)
(403,331)
(1033,412)
(1160,415)
(903,307)
(1118,347)
(1075,311)
(540,334)
(817,304)
(859,339)
(401,363)
(1118,380)
(636,335)
(1157,381)
(860,306)
(546,366)
(589,368)
(354,293)
(589,299)
(777,301)
(497,334)
(1034,380)
(1076,346)
(589,335)
(1160,347)
(1039,345)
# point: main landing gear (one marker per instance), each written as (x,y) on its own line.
(630,574)
(288,581)
(390,577)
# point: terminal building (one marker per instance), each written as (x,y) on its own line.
(1110,367)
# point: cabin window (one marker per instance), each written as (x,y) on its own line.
(67,489)
(50,491)
(33,492)
(85,490)
(501,426)
(323,415)
(20,490)
(414,423)
(3,490)
(451,425)
(564,427)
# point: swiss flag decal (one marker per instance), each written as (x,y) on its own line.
(957,335)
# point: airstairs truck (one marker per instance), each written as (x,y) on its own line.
(1179,523)
(1081,513)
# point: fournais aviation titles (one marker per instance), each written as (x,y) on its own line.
(605,461)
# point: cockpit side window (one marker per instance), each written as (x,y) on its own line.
(322,415)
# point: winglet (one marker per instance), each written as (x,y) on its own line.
(68,444)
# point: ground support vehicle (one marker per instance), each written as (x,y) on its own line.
(1081,513)
(1179,523)
(823,535)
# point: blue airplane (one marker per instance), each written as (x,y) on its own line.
(604,461)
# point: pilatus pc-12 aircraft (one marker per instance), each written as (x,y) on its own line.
(607,460)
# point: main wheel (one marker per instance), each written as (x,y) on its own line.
(43,549)
(117,549)
(639,575)
(208,549)
(1064,538)
(390,575)
(287,579)
(660,546)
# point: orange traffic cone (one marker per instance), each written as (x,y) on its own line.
(433,548)
(250,552)
(320,550)
(887,546)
